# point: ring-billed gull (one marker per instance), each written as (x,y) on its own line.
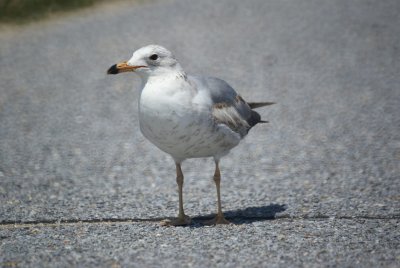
(188,116)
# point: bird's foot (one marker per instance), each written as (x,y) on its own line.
(219,219)
(180,221)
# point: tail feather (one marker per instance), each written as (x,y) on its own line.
(254,105)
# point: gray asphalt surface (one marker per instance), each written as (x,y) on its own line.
(318,186)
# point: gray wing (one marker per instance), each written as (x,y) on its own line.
(220,90)
(229,108)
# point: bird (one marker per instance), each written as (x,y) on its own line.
(188,116)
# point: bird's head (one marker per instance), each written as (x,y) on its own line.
(147,61)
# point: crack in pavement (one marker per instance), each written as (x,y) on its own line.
(197,219)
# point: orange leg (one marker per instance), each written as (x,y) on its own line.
(182,218)
(219,218)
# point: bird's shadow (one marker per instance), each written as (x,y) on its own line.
(243,216)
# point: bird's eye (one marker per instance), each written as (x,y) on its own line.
(153,57)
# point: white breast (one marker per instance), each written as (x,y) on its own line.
(173,119)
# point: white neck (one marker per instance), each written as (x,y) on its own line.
(163,73)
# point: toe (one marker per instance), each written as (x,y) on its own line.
(217,220)
(222,221)
(177,222)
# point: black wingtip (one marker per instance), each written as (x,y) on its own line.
(113,69)
(254,105)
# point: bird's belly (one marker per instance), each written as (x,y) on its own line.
(184,133)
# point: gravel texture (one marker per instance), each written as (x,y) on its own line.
(277,243)
(318,186)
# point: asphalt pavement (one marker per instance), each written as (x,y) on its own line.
(317,186)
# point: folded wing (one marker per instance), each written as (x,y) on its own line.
(229,108)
